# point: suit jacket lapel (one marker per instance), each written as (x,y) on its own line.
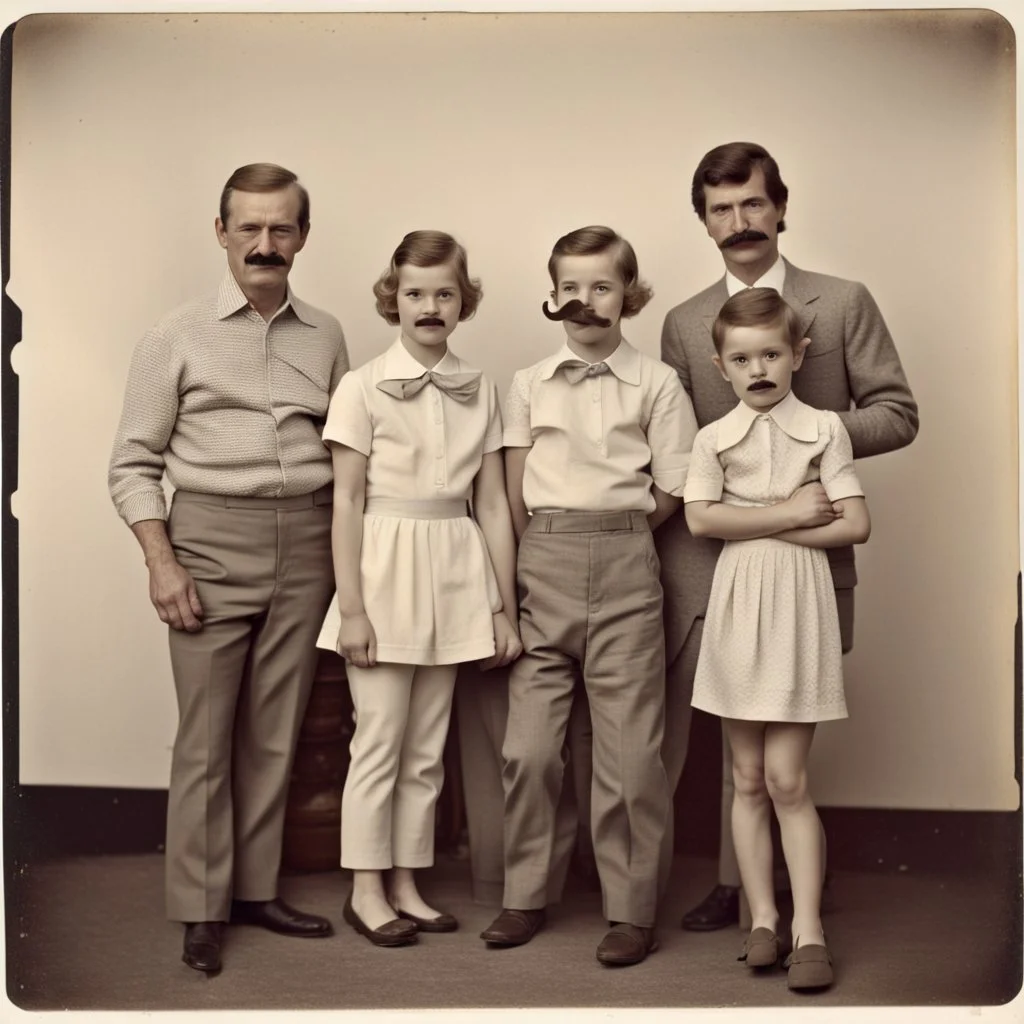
(715,301)
(801,294)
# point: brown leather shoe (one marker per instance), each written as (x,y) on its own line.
(277,916)
(809,967)
(719,909)
(202,946)
(626,944)
(514,927)
(390,934)
(760,948)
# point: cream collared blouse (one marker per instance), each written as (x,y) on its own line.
(751,458)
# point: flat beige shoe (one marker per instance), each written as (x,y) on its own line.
(761,948)
(809,967)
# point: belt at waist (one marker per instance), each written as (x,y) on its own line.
(322,496)
(588,522)
(440,508)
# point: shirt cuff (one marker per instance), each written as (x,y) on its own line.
(493,443)
(670,481)
(518,437)
(698,490)
(143,505)
(357,442)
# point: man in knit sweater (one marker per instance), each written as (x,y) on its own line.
(227,395)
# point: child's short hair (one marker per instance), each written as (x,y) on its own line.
(427,249)
(756,307)
(596,238)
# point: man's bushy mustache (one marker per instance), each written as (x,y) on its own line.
(578,312)
(747,235)
(257,259)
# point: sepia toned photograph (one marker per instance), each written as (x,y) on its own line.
(524,502)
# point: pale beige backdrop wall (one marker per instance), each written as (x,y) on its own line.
(894,132)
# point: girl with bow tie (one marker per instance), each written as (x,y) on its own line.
(415,437)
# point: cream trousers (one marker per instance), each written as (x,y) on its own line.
(396,771)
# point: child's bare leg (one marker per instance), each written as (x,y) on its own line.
(751,820)
(787,745)
(368,899)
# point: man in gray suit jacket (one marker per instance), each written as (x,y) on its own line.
(851,366)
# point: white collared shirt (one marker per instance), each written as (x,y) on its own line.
(773,277)
(422,447)
(597,445)
(760,458)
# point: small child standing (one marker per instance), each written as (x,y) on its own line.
(775,480)
(415,435)
(597,440)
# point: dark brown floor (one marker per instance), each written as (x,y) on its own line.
(92,937)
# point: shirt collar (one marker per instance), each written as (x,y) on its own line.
(231,298)
(798,420)
(773,277)
(624,362)
(399,365)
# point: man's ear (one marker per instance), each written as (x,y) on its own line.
(303,235)
(717,360)
(798,352)
(222,232)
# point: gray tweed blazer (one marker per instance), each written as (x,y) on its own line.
(851,366)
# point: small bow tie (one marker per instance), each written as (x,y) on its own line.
(461,386)
(576,370)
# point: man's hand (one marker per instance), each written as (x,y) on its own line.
(507,645)
(810,507)
(173,593)
(357,642)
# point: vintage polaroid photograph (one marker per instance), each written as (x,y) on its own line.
(521,499)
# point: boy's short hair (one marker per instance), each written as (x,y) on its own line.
(427,249)
(757,307)
(264,178)
(596,238)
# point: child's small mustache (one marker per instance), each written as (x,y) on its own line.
(578,312)
(430,321)
(761,385)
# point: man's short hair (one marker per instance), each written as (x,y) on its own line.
(733,164)
(597,238)
(757,307)
(427,249)
(264,178)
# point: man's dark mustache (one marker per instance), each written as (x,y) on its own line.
(257,259)
(747,235)
(761,385)
(430,321)
(578,312)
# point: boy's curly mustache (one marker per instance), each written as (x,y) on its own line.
(578,312)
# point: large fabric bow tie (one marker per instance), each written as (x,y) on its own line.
(461,386)
(576,370)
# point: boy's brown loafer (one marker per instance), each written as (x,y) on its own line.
(626,944)
(760,948)
(809,967)
(514,927)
